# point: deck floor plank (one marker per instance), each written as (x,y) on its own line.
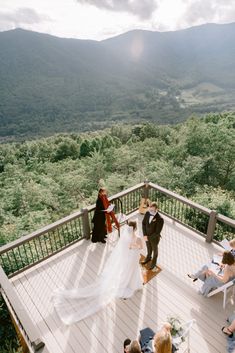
(38,320)
(171,292)
(84,326)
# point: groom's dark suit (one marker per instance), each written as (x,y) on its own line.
(153,231)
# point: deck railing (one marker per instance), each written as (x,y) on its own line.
(202,220)
(36,247)
(181,209)
(25,326)
(224,228)
(31,249)
(41,244)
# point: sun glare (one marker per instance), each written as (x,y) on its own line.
(137,47)
(170,13)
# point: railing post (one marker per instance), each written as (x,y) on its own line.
(211,226)
(21,317)
(86,224)
(21,339)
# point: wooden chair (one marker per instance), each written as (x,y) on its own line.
(183,341)
(223,289)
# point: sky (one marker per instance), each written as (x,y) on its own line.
(101,19)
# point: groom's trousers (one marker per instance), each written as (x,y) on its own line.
(152,248)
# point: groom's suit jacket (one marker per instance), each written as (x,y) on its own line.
(154,227)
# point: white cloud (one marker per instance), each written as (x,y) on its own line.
(20,17)
(201,11)
(100,19)
(141,8)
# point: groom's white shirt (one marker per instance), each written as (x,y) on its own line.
(150,218)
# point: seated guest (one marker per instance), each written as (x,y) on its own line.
(232,250)
(229,332)
(126,345)
(146,339)
(214,280)
(161,342)
(134,347)
(216,259)
(232,244)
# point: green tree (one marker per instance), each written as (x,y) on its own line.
(85,148)
(67,148)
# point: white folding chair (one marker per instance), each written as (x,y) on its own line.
(223,289)
(184,337)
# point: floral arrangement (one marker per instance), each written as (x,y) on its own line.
(176,325)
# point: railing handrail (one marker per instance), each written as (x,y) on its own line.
(205,210)
(120,194)
(127,191)
(226,220)
(183,199)
(21,314)
(25,238)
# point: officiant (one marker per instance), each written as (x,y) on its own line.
(103,217)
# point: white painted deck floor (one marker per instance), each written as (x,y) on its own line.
(170,293)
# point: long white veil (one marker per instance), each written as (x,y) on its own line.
(120,278)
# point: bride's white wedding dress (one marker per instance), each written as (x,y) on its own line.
(120,278)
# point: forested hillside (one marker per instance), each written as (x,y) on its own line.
(46,179)
(51,85)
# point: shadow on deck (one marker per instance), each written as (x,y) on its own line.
(169,293)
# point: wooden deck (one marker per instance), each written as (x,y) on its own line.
(170,293)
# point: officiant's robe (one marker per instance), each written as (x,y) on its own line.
(99,222)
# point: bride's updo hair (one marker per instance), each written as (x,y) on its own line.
(132,224)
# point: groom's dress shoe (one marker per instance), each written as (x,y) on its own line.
(145,261)
(153,268)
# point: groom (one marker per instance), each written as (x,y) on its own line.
(152,225)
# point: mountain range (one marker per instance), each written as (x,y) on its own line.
(50,84)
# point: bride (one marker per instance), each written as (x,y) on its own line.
(120,278)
